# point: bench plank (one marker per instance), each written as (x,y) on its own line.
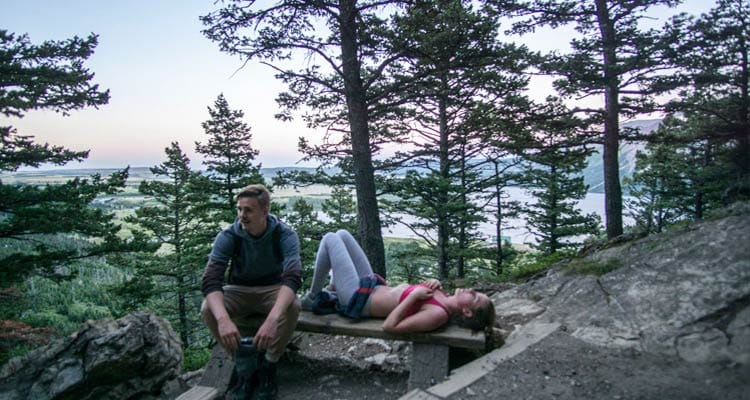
(334,324)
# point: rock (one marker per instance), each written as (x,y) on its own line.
(685,293)
(377,342)
(382,358)
(128,358)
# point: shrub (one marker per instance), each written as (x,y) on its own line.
(593,267)
(82,312)
(43,319)
(195,358)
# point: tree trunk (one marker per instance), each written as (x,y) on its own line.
(368,216)
(612,189)
(744,115)
(442,213)
(554,221)
(498,223)
(463,244)
(182,307)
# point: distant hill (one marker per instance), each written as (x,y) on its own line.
(137,174)
(593,174)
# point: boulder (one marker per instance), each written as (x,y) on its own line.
(128,358)
(683,293)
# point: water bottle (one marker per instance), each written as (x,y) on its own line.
(247,357)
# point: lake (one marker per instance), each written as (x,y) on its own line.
(515,228)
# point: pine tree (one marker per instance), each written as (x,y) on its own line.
(655,175)
(344,42)
(341,210)
(229,156)
(614,58)
(50,76)
(681,175)
(552,176)
(179,225)
(304,219)
(711,58)
(454,67)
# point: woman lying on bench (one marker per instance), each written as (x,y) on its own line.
(406,308)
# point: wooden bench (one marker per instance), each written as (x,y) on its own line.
(430,351)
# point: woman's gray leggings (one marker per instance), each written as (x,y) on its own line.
(340,254)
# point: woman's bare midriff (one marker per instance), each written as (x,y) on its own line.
(384,299)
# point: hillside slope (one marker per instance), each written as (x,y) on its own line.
(665,316)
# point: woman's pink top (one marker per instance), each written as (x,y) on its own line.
(418,305)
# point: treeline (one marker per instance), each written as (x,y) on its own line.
(434,80)
(439,82)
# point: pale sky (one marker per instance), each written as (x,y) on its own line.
(162,74)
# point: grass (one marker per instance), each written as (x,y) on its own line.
(592,267)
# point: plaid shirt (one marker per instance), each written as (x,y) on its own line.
(367,285)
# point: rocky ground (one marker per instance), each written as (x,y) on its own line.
(563,367)
(559,367)
(340,367)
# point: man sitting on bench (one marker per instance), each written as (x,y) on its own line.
(265,274)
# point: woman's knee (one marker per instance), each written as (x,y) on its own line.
(328,238)
(343,233)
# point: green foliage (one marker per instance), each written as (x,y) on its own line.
(310,230)
(49,76)
(553,177)
(529,264)
(179,225)
(195,358)
(681,175)
(20,150)
(409,260)
(613,57)
(49,319)
(64,305)
(711,58)
(81,312)
(228,156)
(28,210)
(15,351)
(341,209)
(456,84)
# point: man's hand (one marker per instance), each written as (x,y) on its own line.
(266,333)
(229,335)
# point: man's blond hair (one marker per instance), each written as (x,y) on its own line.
(257,191)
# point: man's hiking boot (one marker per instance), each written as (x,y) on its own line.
(267,388)
(247,361)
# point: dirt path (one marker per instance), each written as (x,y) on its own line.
(563,367)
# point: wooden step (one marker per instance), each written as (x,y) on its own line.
(200,393)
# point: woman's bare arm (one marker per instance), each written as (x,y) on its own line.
(422,321)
